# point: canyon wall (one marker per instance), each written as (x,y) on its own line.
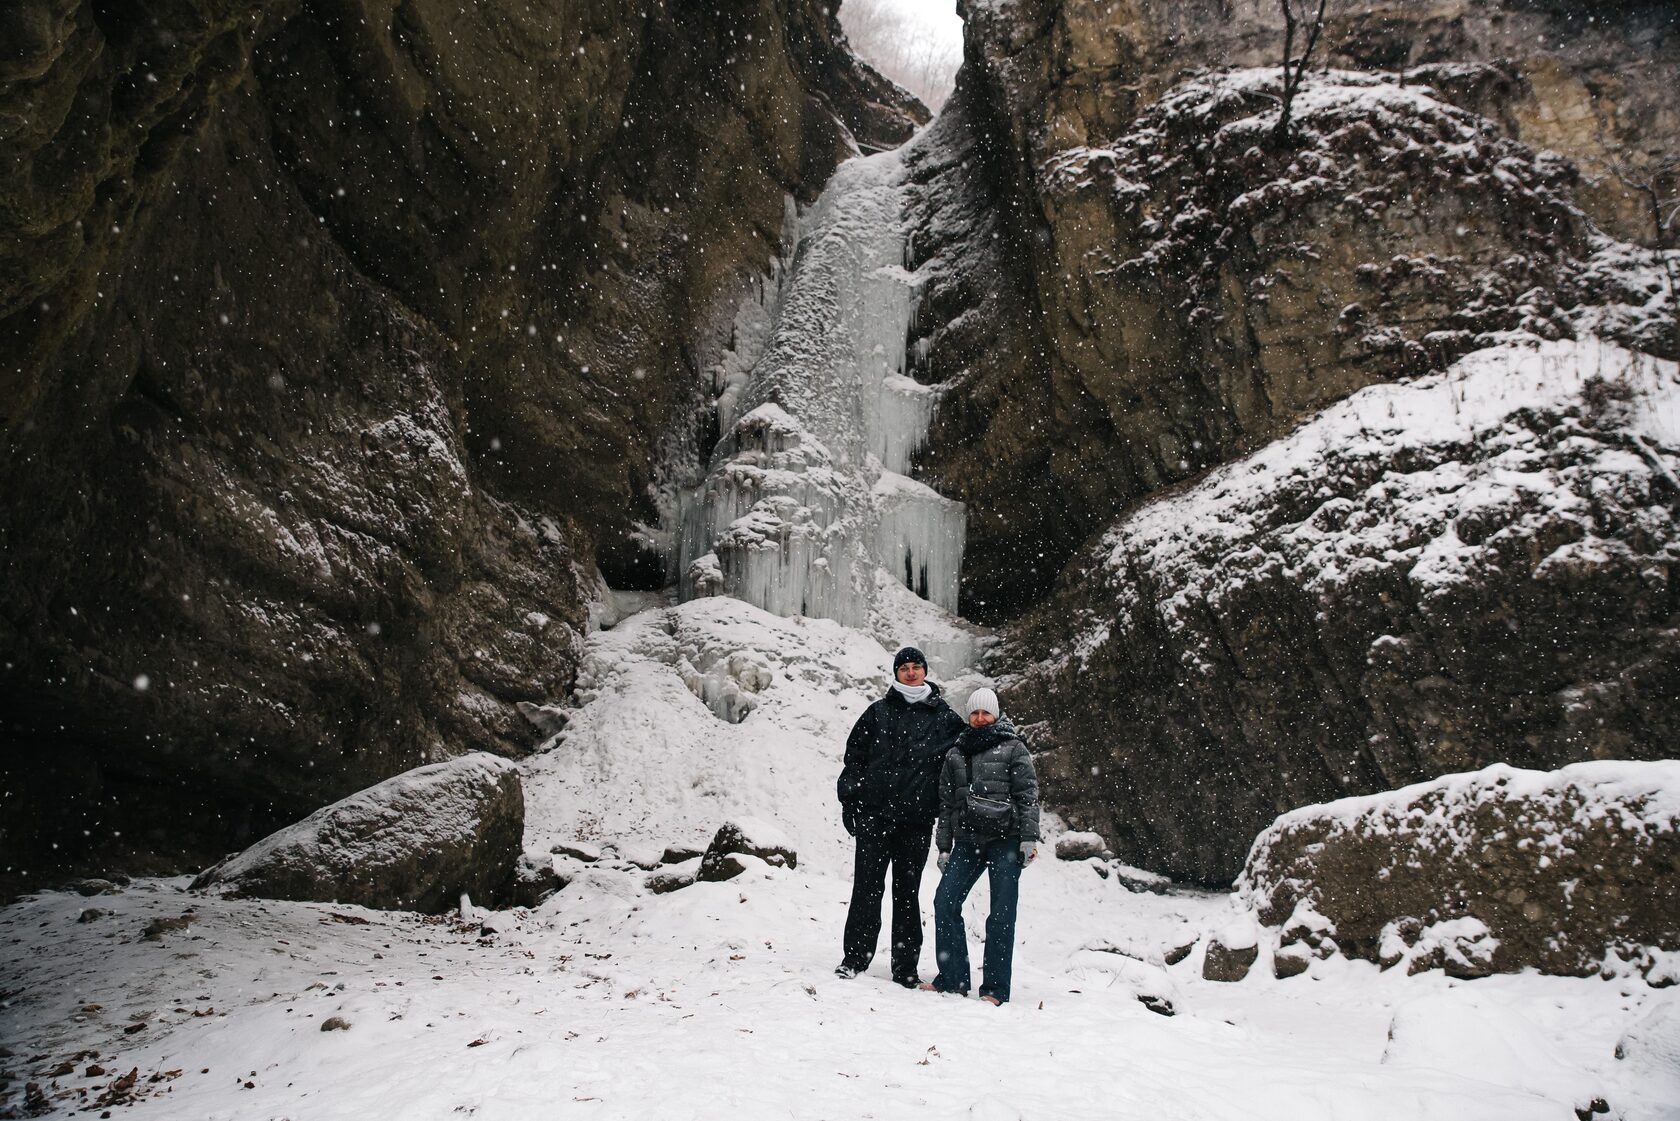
(1135,278)
(340,344)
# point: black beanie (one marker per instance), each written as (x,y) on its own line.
(908,654)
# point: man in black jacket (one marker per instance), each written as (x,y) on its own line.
(889,795)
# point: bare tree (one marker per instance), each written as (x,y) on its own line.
(884,34)
(1295,67)
(1658,184)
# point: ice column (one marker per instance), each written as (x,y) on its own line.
(805,494)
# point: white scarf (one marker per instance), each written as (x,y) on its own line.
(913,693)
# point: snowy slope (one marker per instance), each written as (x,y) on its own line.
(717,1001)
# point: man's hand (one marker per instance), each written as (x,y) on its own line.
(848,818)
(942,859)
(1029,849)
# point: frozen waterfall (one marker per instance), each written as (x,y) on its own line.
(805,502)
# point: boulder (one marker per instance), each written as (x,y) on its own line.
(414,842)
(534,879)
(1080,846)
(1494,870)
(1305,936)
(716,867)
(1177,952)
(1138,881)
(578,850)
(641,857)
(1467,1032)
(1108,966)
(1228,958)
(677,854)
(749,836)
(1290,961)
(671,879)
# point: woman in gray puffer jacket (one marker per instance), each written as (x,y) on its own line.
(988,822)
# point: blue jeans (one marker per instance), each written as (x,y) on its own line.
(1001,860)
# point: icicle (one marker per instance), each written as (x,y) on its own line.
(919,538)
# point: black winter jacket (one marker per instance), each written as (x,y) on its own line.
(998,766)
(893,757)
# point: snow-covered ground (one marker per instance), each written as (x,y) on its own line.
(719,1001)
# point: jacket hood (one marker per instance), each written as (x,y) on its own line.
(972,741)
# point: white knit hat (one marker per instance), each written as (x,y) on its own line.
(983,700)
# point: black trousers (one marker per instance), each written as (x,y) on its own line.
(884,844)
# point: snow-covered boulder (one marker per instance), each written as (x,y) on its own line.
(670,879)
(415,842)
(1231,952)
(1495,870)
(748,836)
(1104,965)
(535,878)
(1080,846)
(577,850)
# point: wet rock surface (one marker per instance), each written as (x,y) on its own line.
(1497,870)
(340,346)
(415,842)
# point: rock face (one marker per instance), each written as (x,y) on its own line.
(339,344)
(412,843)
(1183,287)
(1133,276)
(1494,871)
(1468,568)
(1585,79)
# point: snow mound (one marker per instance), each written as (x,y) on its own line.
(1463,1033)
(1648,1067)
(641,751)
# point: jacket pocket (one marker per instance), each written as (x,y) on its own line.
(985,817)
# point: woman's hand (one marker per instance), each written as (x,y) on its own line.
(1029,850)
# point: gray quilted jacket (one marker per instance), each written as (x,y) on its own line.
(1000,767)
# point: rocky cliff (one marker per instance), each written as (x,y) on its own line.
(1172,283)
(339,345)
(1180,290)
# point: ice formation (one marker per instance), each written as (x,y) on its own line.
(806,496)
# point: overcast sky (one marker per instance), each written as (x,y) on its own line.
(937,17)
(917,43)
